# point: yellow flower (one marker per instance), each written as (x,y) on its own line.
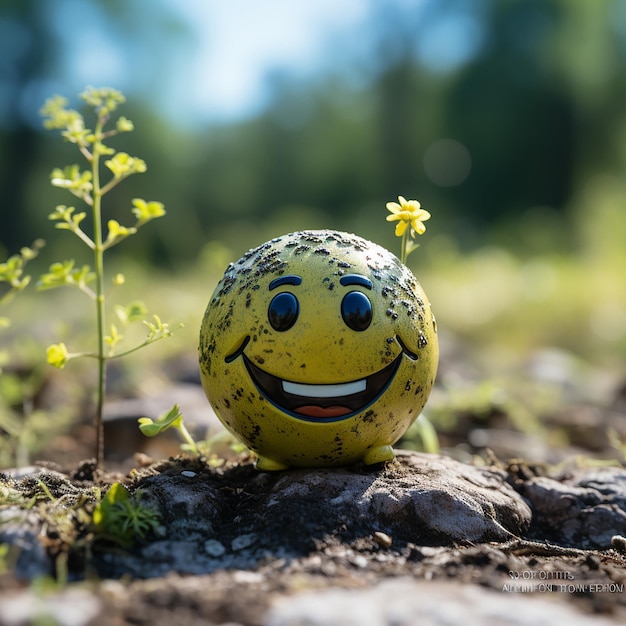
(407,212)
(58,355)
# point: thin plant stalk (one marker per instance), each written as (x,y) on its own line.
(98,253)
(405,241)
(88,187)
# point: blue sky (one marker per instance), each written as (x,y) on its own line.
(238,41)
(218,68)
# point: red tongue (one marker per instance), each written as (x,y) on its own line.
(323,411)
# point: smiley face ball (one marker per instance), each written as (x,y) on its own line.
(318,348)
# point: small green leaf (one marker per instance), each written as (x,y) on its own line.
(76,131)
(124,125)
(59,274)
(104,99)
(68,221)
(148,427)
(170,419)
(72,179)
(64,274)
(122,165)
(58,115)
(158,329)
(118,232)
(133,312)
(146,211)
(28,254)
(114,338)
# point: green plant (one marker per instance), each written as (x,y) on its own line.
(18,419)
(215,448)
(169,419)
(87,185)
(12,273)
(123,518)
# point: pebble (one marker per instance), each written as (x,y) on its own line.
(214,548)
(382,539)
(618,542)
(243,541)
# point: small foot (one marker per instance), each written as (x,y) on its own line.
(381,454)
(264,464)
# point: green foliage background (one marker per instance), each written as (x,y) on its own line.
(525,250)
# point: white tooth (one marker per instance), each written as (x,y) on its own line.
(325,391)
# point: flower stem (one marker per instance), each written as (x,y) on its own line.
(98,251)
(405,241)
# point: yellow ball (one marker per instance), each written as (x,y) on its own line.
(318,348)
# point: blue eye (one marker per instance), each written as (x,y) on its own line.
(356,310)
(283,311)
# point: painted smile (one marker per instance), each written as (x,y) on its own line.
(321,403)
(326,403)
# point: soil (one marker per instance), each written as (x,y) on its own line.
(59,569)
(98,584)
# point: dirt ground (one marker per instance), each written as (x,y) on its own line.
(73,575)
(246,591)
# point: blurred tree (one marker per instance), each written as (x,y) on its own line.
(27,54)
(515,114)
(529,91)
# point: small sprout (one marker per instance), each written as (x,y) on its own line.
(123,518)
(169,419)
(119,279)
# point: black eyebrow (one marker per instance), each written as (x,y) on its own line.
(290,279)
(356,279)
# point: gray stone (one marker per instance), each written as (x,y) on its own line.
(422,498)
(584,509)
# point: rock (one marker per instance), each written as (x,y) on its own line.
(239,517)
(584,509)
(405,601)
(425,499)
(235,517)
